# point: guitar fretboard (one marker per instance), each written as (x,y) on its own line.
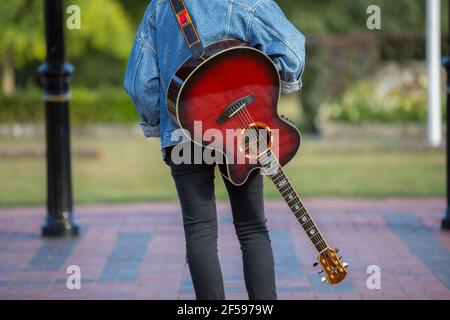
(274,171)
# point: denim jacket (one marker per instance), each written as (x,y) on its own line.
(159,49)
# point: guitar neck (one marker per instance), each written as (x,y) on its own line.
(275,172)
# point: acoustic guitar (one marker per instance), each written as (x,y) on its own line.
(237,87)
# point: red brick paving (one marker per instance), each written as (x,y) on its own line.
(369,232)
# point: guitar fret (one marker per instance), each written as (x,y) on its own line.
(310,228)
(308,224)
(296,208)
(312,232)
(292,203)
(297,215)
(273,170)
(291,197)
(302,211)
(321,247)
(278,175)
(292,194)
(303,219)
(276,179)
(285,187)
(315,235)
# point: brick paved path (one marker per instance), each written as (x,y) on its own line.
(137,252)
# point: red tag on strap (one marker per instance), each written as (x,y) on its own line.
(183,18)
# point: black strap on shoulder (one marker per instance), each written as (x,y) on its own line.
(187,27)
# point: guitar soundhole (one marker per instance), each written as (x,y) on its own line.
(255,140)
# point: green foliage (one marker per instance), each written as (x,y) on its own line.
(366,102)
(100,49)
(315,17)
(314,81)
(21,30)
(105,27)
(98,70)
(135,9)
(337,61)
(109,105)
(334,63)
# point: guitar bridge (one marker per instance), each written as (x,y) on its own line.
(235,108)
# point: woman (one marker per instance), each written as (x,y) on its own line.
(158,51)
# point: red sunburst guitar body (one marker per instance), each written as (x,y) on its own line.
(201,90)
(236,88)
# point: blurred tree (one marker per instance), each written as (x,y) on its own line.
(101,47)
(318,19)
(135,9)
(105,27)
(21,38)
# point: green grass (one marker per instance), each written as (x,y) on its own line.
(130,168)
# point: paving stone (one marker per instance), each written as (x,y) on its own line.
(137,251)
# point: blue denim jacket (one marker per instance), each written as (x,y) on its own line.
(159,49)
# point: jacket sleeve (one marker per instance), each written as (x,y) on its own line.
(142,80)
(273,34)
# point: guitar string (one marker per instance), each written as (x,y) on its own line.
(247,117)
(284,177)
(261,140)
(307,225)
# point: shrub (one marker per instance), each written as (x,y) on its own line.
(110,105)
(371,101)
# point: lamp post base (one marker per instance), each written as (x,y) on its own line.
(60,228)
(446,221)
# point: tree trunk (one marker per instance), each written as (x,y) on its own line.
(8,77)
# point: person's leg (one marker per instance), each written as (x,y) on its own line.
(247,203)
(195,187)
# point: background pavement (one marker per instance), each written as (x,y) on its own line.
(137,251)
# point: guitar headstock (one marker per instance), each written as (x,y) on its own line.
(335,270)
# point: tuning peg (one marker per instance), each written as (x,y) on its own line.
(336,250)
(345,264)
(321,271)
(323,279)
(315,264)
(340,257)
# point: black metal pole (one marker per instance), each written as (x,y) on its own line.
(446,219)
(55,76)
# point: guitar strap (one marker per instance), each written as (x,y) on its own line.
(188,28)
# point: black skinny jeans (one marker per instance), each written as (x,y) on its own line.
(195,187)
